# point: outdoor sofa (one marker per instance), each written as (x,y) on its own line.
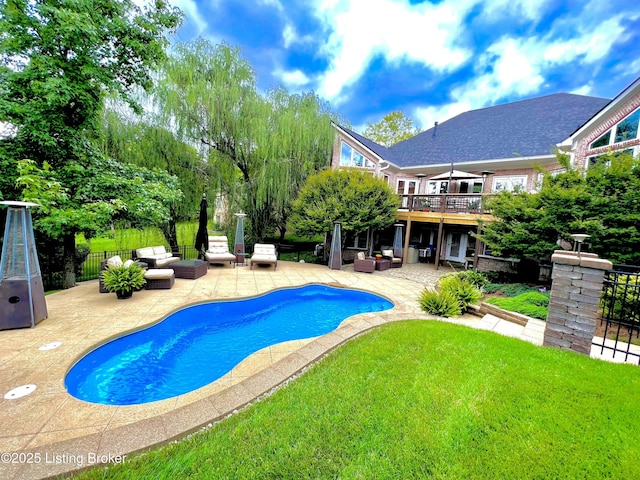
(156,257)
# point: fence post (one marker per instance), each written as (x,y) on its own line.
(574,303)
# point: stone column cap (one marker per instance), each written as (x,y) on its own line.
(588,260)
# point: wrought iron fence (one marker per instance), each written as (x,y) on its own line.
(620,306)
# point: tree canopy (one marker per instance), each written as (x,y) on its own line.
(58,61)
(393,128)
(355,198)
(604,203)
(263,146)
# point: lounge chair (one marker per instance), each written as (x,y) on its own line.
(363,264)
(157,257)
(396,262)
(218,252)
(264,254)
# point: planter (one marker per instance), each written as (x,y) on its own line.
(124,295)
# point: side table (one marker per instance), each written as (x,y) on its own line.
(383,264)
(190,269)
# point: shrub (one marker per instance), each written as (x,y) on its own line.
(466,293)
(515,289)
(533,304)
(492,287)
(440,303)
(478,279)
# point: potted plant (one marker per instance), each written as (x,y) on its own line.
(123,280)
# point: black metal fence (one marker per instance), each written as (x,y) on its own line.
(90,269)
(620,305)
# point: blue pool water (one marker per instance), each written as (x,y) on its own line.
(199,344)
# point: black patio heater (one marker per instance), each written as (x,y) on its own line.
(22,302)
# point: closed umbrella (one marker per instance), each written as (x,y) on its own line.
(202,237)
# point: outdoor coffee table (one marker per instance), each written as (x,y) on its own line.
(190,269)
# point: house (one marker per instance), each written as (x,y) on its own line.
(443,173)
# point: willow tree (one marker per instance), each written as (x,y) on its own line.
(263,146)
(146,144)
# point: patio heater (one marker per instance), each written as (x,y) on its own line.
(398,249)
(239,242)
(22,302)
(335,258)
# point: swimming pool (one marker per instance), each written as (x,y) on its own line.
(198,344)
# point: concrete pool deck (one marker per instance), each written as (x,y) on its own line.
(49,432)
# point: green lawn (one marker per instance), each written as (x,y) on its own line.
(419,400)
(131,238)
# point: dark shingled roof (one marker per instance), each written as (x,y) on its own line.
(520,129)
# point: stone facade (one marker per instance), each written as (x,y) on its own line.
(575,299)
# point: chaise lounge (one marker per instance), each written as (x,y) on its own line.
(218,252)
(264,254)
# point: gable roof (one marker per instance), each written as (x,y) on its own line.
(526,128)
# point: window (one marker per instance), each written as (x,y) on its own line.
(627,129)
(359,241)
(510,184)
(602,141)
(470,186)
(350,157)
(437,187)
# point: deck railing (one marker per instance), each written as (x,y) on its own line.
(445,203)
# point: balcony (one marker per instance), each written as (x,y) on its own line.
(471,203)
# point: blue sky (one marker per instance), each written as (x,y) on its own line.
(431,60)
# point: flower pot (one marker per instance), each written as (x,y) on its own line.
(124,295)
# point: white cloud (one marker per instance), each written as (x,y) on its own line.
(360,31)
(291,36)
(292,79)
(515,67)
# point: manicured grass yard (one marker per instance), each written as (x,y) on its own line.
(421,399)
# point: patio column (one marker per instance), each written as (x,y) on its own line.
(405,255)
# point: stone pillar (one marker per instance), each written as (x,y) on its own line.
(574,304)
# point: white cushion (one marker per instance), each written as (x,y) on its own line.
(360,255)
(264,249)
(115,261)
(158,273)
(146,252)
(159,250)
(218,238)
(218,249)
(128,263)
(387,253)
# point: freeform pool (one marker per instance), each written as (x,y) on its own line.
(199,344)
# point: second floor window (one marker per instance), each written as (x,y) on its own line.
(350,157)
(516,183)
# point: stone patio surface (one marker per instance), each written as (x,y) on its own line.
(48,432)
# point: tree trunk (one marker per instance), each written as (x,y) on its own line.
(68,264)
(169,231)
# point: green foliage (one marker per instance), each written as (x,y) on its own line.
(603,204)
(440,302)
(533,304)
(356,199)
(59,60)
(515,289)
(122,280)
(473,277)
(393,128)
(466,293)
(624,298)
(263,146)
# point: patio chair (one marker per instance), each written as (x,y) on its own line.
(218,251)
(264,254)
(396,262)
(363,264)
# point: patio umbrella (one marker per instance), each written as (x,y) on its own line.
(202,236)
(397,241)
(238,249)
(335,258)
(455,175)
